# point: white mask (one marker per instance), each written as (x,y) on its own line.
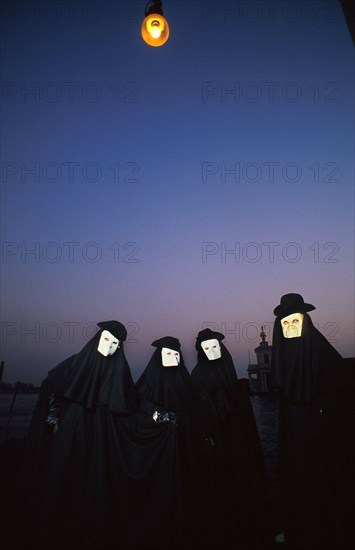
(212,349)
(292,325)
(108,343)
(170,357)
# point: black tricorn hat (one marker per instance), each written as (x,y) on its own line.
(116,328)
(292,303)
(167,342)
(208,334)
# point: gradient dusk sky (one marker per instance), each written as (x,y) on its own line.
(173,188)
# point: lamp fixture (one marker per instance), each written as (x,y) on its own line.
(155,28)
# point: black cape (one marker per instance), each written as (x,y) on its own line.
(164,474)
(233,468)
(71,472)
(315,456)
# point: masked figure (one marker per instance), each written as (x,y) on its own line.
(234,474)
(84,412)
(164,471)
(314,458)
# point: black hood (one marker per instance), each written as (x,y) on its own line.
(92,378)
(305,366)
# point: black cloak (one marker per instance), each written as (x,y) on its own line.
(163,475)
(305,367)
(167,387)
(233,468)
(68,484)
(314,433)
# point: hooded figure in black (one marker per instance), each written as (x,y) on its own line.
(162,475)
(70,471)
(314,429)
(234,474)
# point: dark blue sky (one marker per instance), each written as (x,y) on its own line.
(173,187)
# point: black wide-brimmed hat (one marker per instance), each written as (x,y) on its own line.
(115,328)
(292,303)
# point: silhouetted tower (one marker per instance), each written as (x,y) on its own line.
(259,374)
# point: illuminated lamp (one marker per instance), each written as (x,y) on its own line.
(155,28)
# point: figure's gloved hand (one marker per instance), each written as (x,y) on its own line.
(53,415)
(165,416)
(209,448)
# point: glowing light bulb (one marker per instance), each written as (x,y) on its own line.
(155,29)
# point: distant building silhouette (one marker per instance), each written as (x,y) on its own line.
(259,374)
